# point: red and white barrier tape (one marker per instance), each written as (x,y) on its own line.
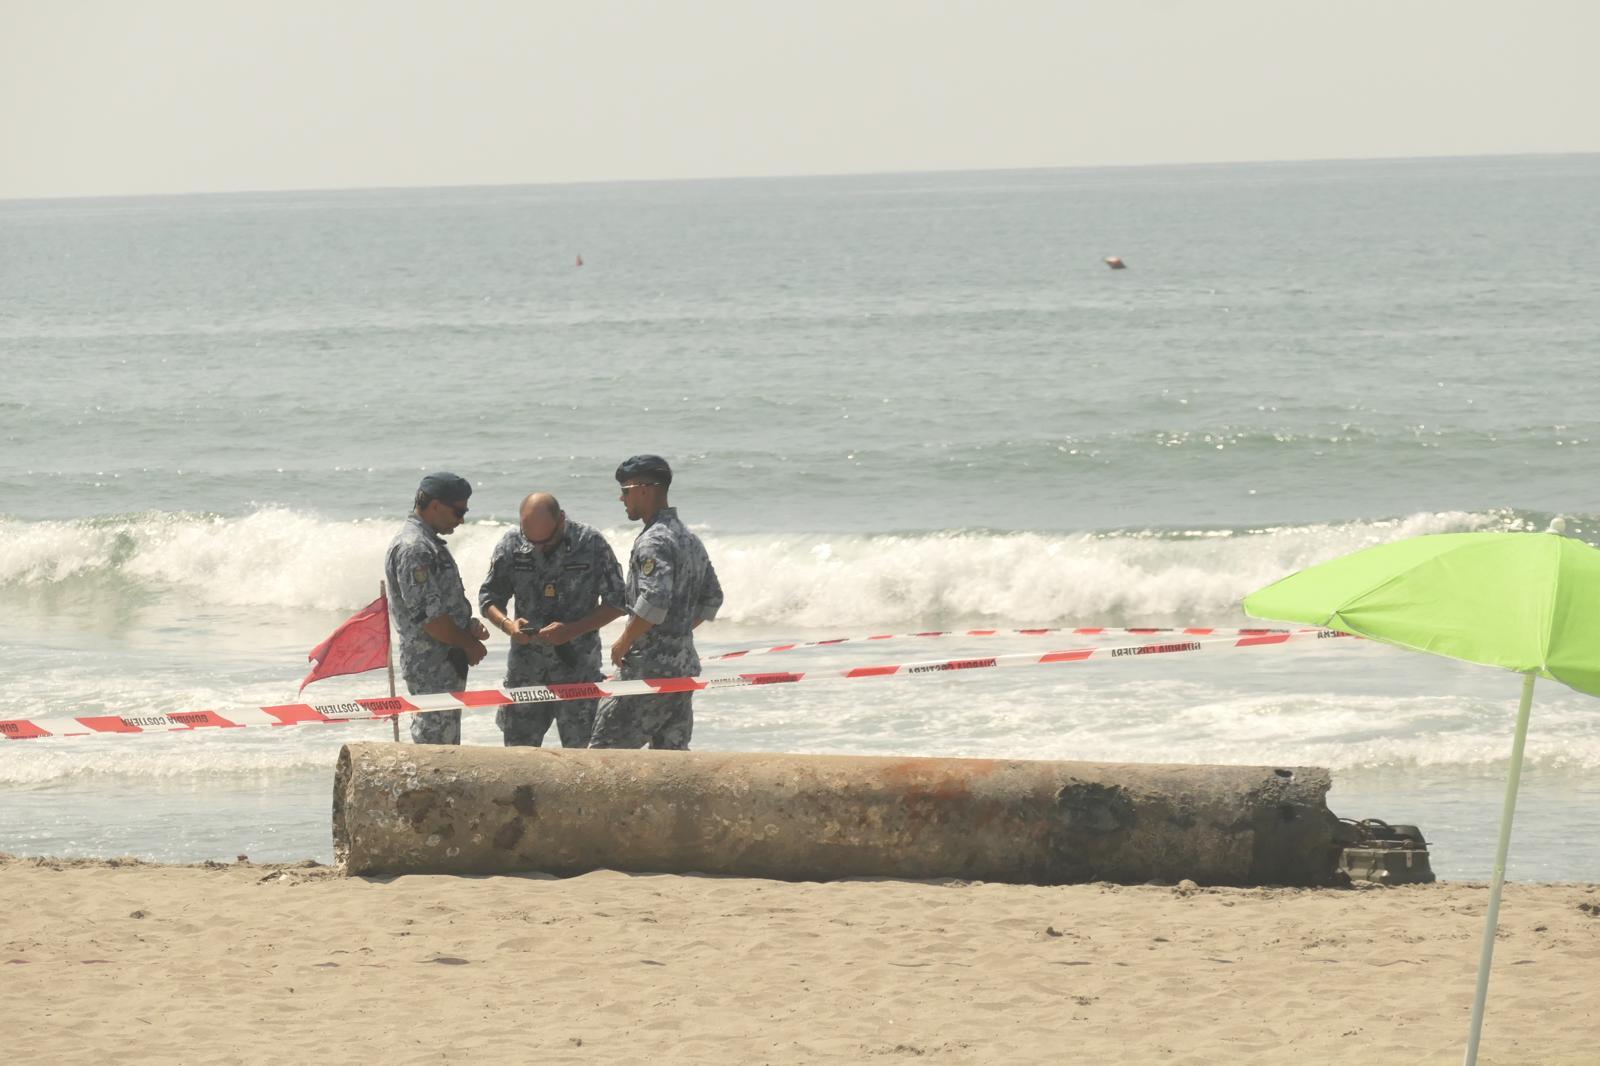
(380,708)
(1081,631)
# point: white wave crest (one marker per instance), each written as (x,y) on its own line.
(281,558)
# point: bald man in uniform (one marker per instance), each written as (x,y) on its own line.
(566,585)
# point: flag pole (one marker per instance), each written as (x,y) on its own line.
(394,720)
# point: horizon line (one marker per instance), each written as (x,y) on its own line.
(815,175)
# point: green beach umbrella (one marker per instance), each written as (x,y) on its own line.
(1527,602)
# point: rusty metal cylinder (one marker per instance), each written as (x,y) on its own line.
(402,808)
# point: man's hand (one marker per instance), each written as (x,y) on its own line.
(557,633)
(636,628)
(469,638)
(477,633)
(619,650)
(515,629)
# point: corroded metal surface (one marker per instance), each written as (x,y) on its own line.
(434,809)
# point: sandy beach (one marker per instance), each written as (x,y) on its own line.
(245,963)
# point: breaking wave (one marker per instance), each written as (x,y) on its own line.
(281,558)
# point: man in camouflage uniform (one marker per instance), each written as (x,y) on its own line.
(672,588)
(439,638)
(567,585)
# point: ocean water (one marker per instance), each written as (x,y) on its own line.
(894,403)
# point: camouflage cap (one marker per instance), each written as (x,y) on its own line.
(443,485)
(651,468)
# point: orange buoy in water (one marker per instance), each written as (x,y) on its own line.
(1115,262)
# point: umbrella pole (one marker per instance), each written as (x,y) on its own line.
(1492,920)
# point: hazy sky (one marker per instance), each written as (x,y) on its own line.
(140,96)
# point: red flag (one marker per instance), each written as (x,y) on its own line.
(360,643)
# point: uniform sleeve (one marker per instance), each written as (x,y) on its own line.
(420,591)
(496,588)
(710,602)
(612,593)
(653,562)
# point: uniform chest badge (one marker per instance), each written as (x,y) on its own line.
(550,591)
(647,567)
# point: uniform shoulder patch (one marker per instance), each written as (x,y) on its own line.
(647,566)
(419,574)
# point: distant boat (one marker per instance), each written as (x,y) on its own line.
(1115,262)
(580,260)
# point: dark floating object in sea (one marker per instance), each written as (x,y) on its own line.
(1115,262)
